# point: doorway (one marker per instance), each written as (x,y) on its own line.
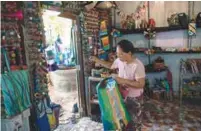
(61,57)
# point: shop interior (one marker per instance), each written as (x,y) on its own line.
(49,81)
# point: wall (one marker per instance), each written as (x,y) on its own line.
(159,11)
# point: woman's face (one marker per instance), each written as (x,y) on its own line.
(123,56)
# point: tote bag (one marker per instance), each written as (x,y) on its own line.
(114,114)
(15,89)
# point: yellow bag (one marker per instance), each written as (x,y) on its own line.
(52,120)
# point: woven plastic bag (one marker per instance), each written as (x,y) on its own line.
(15,90)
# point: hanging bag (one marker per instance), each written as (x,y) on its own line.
(198,19)
(42,118)
(15,89)
(183,20)
(50,115)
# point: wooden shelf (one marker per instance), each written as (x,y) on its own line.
(128,31)
(157,29)
(170,52)
(165,29)
(191,74)
(139,51)
(156,71)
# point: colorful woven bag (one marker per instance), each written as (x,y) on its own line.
(113,112)
(15,89)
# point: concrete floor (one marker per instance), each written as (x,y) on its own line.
(66,100)
(64,91)
(83,124)
(158,116)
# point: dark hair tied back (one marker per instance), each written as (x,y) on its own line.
(126,46)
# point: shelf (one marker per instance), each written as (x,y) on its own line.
(139,51)
(14,67)
(142,50)
(95,79)
(192,100)
(170,52)
(156,71)
(94,101)
(195,88)
(128,31)
(191,74)
(10,46)
(157,29)
(165,29)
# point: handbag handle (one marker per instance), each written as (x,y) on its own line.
(4,52)
(102,83)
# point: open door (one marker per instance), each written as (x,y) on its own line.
(64,53)
(79,60)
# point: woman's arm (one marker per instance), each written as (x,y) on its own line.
(105,64)
(139,83)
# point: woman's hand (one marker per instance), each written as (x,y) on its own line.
(118,79)
(103,63)
(113,75)
(94,58)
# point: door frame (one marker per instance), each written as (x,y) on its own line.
(79,58)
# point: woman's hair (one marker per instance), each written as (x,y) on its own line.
(126,46)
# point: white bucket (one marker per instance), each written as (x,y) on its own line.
(64,80)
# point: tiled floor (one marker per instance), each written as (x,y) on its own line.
(158,116)
(169,116)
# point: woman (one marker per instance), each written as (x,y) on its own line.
(131,76)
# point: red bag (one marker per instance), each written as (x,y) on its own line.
(124,91)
